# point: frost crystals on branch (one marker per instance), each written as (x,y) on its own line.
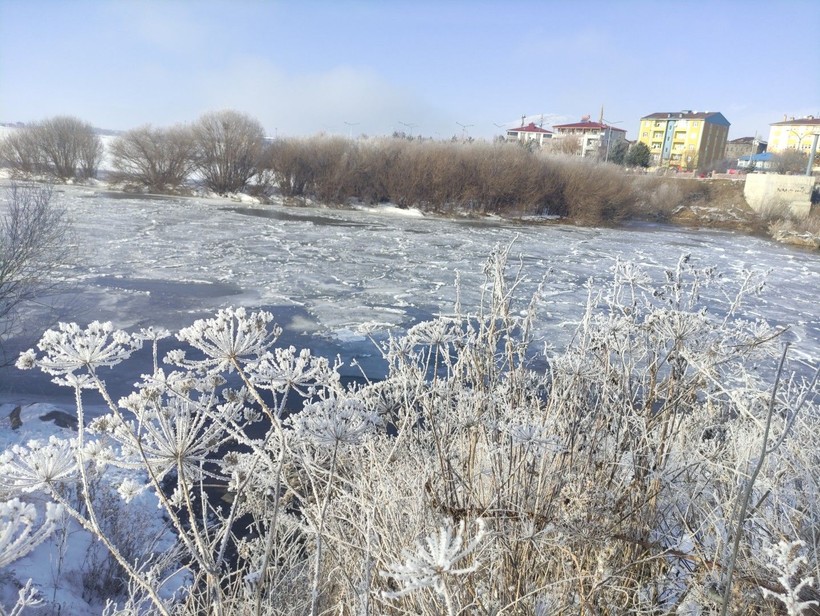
(434,560)
(16,523)
(787,562)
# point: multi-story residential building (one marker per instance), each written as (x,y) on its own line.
(744,146)
(594,138)
(794,134)
(529,133)
(686,140)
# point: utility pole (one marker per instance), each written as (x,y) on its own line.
(812,153)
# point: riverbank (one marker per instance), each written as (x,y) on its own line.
(691,203)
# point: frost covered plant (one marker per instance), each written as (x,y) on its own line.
(334,422)
(787,562)
(609,470)
(69,348)
(231,336)
(434,563)
(38,466)
(286,369)
(174,436)
(18,536)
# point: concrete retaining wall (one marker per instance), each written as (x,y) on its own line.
(772,191)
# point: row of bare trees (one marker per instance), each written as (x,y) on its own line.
(62,148)
(224,148)
(227,151)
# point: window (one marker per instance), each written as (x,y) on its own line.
(657,135)
(644,134)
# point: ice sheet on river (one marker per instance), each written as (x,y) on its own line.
(168,261)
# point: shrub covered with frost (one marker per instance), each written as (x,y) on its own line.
(485,474)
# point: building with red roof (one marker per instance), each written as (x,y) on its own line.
(530,133)
(593,138)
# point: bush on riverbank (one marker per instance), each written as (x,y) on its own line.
(481,476)
(498,178)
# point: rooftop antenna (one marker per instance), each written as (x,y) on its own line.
(541,124)
(523,119)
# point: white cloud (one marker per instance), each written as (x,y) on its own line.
(330,101)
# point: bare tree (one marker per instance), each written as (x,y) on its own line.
(62,147)
(20,153)
(158,159)
(90,149)
(566,144)
(32,245)
(228,149)
(789,161)
(69,146)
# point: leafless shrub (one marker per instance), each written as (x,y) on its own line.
(288,164)
(784,226)
(69,146)
(20,153)
(62,147)
(228,148)
(595,193)
(449,176)
(660,198)
(158,159)
(789,161)
(569,145)
(102,576)
(33,245)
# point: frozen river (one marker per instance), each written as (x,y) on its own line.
(324,272)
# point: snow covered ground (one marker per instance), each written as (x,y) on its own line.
(324,273)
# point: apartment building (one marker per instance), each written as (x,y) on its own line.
(594,138)
(530,133)
(744,146)
(685,140)
(794,134)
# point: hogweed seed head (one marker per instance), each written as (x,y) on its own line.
(434,559)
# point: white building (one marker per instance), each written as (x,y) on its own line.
(529,133)
(595,138)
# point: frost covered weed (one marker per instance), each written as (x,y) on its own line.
(18,535)
(601,479)
(787,563)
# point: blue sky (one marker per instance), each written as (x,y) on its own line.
(436,68)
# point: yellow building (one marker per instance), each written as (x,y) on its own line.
(685,140)
(794,134)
